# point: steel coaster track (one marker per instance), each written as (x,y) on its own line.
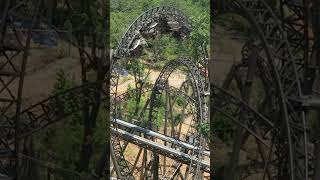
(162,80)
(161,149)
(301,36)
(154,19)
(53,109)
(292,149)
(255,119)
(178,92)
(143,23)
(125,126)
(198,86)
(280,62)
(150,19)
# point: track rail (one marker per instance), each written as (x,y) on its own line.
(132,127)
(161,149)
(54,109)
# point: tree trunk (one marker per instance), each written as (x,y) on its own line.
(90,115)
(86,145)
(87,138)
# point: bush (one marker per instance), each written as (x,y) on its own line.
(61,51)
(177,118)
(204,129)
(180,101)
(223,127)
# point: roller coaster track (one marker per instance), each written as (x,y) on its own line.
(297,19)
(53,109)
(125,126)
(150,23)
(154,19)
(278,43)
(272,39)
(161,149)
(198,86)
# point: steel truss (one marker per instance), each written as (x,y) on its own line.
(271,44)
(13,59)
(197,84)
(301,22)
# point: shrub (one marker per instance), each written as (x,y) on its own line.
(223,127)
